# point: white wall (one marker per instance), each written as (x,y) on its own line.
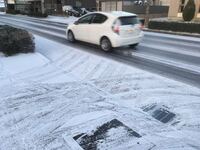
(111,6)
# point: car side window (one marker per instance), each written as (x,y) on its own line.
(99,18)
(86,19)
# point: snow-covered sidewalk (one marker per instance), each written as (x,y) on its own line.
(63,98)
(55,19)
(60,19)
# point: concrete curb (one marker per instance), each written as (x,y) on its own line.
(174,33)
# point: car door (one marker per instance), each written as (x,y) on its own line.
(81,28)
(97,28)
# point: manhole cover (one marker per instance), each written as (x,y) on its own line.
(109,135)
(159,112)
(163,115)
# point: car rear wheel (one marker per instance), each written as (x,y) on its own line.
(70,36)
(106,44)
(133,45)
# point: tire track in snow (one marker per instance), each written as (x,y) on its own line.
(154,66)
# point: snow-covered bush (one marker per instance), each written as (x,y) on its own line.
(14,40)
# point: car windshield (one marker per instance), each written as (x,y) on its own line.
(130,20)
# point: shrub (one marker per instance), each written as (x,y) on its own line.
(14,40)
(190,27)
(189,11)
(14,12)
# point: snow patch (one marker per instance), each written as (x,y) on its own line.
(60,92)
(67,20)
(22,62)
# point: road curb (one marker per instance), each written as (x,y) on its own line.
(173,33)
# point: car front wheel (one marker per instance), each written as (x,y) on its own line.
(70,36)
(106,44)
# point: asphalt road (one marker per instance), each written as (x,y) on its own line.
(175,57)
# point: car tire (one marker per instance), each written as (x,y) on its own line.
(133,45)
(70,36)
(105,44)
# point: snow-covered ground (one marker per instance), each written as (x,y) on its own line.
(63,98)
(66,20)
(2,3)
(58,19)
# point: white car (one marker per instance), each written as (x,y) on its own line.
(108,30)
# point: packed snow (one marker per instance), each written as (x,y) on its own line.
(2,4)
(67,20)
(60,98)
(22,63)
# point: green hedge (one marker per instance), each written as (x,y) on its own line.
(14,12)
(190,27)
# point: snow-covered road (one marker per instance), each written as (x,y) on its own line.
(176,57)
(64,98)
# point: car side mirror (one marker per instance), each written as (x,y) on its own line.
(76,22)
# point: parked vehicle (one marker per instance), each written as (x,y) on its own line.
(66,8)
(78,10)
(85,11)
(108,30)
(71,11)
(75,11)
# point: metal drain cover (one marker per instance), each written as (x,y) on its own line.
(159,112)
(163,115)
(110,134)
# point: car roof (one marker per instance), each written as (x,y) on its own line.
(121,14)
(115,14)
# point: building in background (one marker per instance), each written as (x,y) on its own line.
(47,6)
(2,6)
(28,6)
(157,8)
(10,6)
(177,6)
(164,2)
(34,6)
(88,4)
(53,6)
(118,5)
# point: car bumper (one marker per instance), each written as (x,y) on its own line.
(118,41)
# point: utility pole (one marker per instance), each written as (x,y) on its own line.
(6,5)
(97,5)
(42,7)
(146,4)
(147,8)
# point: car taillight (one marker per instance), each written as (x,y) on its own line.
(116,29)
